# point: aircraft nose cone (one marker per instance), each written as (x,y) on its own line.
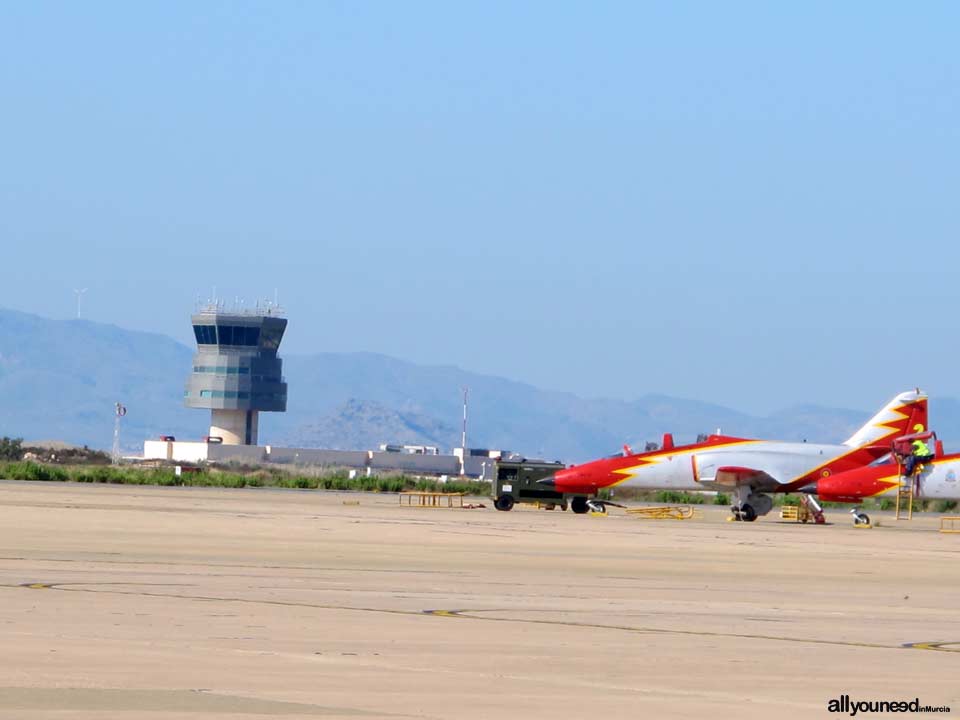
(550,481)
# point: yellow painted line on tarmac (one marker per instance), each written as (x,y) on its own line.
(938,646)
(467,614)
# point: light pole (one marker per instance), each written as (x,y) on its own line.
(119,412)
(463,435)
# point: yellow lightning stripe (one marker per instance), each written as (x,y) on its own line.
(889,484)
(893,432)
(671,455)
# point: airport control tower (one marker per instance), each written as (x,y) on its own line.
(236,371)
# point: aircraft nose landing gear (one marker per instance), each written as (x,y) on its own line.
(860,518)
(597,506)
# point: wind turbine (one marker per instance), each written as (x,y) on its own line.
(79,295)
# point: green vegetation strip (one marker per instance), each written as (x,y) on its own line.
(27,470)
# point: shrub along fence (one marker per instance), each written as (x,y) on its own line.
(27,470)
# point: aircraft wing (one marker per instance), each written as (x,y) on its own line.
(731,476)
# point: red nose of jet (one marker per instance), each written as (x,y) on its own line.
(571,480)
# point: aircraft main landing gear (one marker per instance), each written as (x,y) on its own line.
(744,513)
(750,505)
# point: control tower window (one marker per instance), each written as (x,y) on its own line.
(206,334)
(272,337)
(238,335)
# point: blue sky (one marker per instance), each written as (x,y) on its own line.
(750,203)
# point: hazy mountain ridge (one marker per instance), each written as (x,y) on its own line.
(60,378)
(358,424)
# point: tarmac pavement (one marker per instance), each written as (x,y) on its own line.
(176,603)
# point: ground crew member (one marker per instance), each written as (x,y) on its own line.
(921,453)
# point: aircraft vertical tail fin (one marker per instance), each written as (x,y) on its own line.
(898,417)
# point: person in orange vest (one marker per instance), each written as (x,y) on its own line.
(920,453)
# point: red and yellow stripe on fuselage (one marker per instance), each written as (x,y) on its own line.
(609,472)
(784,466)
(938,479)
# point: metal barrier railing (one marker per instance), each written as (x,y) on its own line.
(425,498)
(665,512)
(950,524)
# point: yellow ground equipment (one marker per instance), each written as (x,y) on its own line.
(903,447)
(426,498)
(808,510)
(950,524)
(666,512)
(795,513)
(904,506)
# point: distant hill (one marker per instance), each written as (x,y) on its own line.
(519,416)
(364,424)
(60,378)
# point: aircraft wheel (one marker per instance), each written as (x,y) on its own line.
(747,513)
(504,502)
(579,505)
(861,519)
(563,506)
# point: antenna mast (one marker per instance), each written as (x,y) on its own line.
(463,435)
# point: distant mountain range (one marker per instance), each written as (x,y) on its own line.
(59,380)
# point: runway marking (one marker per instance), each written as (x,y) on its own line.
(467,614)
(65,587)
(938,646)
